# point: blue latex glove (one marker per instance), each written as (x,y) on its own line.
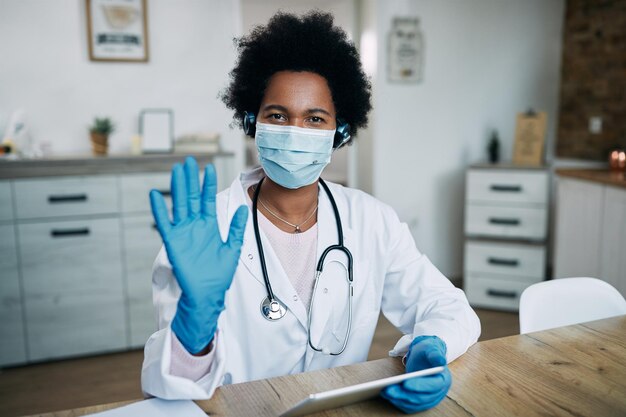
(203,265)
(421,393)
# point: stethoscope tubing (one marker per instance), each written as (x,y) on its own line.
(259,245)
(320,264)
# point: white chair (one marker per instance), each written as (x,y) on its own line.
(566,301)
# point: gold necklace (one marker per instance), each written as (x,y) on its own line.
(295,226)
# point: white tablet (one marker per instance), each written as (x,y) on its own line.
(352,394)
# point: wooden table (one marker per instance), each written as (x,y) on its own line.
(576,370)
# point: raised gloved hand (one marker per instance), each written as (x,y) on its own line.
(203,265)
(421,393)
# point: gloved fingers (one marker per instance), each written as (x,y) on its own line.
(179,194)
(159,212)
(410,402)
(193,186)
(237,228)
(425,352)
(426,386)
(409,407)
(209,190)
(417,359)
(435,358)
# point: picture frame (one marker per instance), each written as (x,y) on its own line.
(117,30)
(156,127)
(405,51)
(530,135)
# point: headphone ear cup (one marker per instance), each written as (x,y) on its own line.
(249,123)
(342,134)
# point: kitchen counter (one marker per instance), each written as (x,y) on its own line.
(91,165)
(602,176)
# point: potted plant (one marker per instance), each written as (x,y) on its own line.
(100,131)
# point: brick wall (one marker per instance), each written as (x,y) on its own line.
(593,79)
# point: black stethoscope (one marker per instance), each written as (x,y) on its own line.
(272,308)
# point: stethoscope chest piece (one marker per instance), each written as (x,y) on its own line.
(272,309)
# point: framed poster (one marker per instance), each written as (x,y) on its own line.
(156,127)
(117,30)
(405,56)
(530,132)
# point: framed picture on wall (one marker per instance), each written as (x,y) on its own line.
(117,30)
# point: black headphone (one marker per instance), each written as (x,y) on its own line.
(342,133)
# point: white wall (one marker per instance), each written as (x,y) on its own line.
(485,61)
(46,70)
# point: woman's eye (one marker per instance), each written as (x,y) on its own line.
(316,119)
(277,117)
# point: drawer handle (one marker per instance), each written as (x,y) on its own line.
(69,198)
(70,232)
(506,188)
(501,294)
(165,193)
(503,262)
(504,222)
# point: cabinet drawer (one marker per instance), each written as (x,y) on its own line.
(507,186)
(76,255)
(512,222)
(136,190)
(65,196)
(488,291)
(506,259)
(6,202)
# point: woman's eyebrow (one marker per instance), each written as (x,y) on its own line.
(275,107)
(284,109)
(318,110)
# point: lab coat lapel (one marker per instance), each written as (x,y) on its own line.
(281,285)
(249,253)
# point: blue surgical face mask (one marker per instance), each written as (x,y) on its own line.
(293,156)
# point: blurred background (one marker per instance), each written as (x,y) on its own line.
(98,98)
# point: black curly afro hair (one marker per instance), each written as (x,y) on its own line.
(300,43)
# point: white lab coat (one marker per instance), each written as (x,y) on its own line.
(389,273)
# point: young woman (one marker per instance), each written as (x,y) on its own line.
(282,272)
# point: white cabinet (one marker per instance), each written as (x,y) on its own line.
(506,226)
(136,190)
(578,218)
(73,287)
(6,201)
(12,341)
(77,255)
(613,253)
(142,243)
(591,231)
